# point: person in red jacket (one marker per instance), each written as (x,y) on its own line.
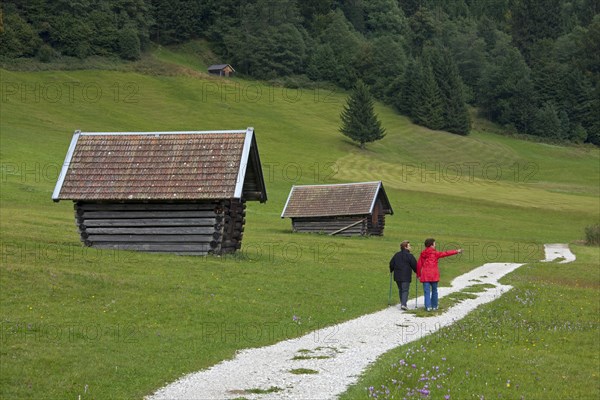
(429,272)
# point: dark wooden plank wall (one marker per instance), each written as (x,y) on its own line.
(196,228)
(328,225)
(376,221)
(233,227)
(376,228)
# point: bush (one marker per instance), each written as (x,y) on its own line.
(129,45)
(46,53)
(592,235)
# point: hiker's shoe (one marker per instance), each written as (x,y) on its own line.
(434,308)
(428,309)
(404,308)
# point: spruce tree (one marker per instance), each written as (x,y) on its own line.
(359,121)
(455,113)
(427,107)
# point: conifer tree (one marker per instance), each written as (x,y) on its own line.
(359,121)
(454,109)
(427,106)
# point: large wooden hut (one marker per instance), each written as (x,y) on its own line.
(342,209)
(177,192)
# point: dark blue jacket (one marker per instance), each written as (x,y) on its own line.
(402,265)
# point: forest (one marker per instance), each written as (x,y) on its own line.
(531,66)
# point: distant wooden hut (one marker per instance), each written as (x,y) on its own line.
(221,70)
(179,192)
(342,209)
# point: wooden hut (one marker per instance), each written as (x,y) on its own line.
(176,192)
(221,70)
(343,209)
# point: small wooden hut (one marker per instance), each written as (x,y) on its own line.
(176,192)
(221,70)
(343,209)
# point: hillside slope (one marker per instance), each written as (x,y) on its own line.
(120,324)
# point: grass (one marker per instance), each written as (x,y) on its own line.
(303,371)
(272,389)
(107,324)
(447,302)
(531,343)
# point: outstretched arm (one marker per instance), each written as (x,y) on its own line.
(441,254)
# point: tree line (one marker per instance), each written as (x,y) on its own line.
(532,66)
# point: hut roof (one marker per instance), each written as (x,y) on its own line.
(121,166)
(335,200)
(219,67)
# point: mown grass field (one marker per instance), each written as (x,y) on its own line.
(107,324)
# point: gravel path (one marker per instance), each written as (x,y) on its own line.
(558,250)
(339,354)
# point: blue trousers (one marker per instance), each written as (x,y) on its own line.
(431,294)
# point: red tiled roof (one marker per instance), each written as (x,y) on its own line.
(156,166)
(335,200)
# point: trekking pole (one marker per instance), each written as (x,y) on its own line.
(390,295)
(416,292)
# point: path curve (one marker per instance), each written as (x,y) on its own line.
(339,354)
(558,250)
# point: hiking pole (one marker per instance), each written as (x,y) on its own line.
(416,292)
(390,295)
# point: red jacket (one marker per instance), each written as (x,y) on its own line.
(427,266)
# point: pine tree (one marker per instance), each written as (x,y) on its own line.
(454,109)
(546,122)
(403,98)
(359,121)
(427,107)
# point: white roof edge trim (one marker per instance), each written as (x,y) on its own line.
(375,198)
(157,133)
(65,166)
(341,184)
(287,201)
(239,184)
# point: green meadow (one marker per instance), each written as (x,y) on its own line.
(84,323)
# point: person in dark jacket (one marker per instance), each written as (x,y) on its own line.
(429,272)
(403,264)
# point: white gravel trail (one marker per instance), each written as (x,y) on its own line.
(344,351)
(558,250)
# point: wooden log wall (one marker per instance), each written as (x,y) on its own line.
(196,228)
(328,225)
(376,228)
(233,227)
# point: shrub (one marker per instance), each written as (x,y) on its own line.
(129,45)
(592,235)
(46,53)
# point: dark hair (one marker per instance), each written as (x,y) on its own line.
(429,242)
(404,244)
